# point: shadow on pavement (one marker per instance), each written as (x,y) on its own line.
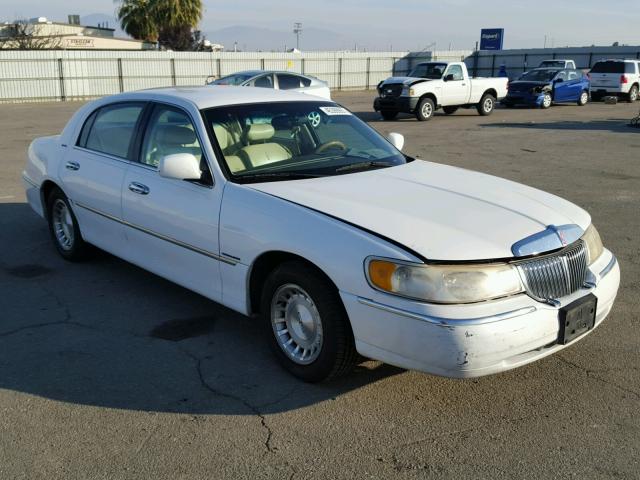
(610,125)
(106,333)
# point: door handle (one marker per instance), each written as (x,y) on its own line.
(71,165)
(138,188)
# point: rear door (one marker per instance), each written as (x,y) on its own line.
(94,170)
(172,225)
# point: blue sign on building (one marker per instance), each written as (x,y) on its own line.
(491,38)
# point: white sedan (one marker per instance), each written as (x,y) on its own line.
(277,80)
(292,209)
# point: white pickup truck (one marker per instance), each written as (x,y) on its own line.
(433,85)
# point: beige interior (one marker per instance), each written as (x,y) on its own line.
(261,151)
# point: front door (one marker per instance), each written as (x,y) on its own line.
(93,171)
(455,89)
(172,225)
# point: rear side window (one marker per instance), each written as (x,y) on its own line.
(288,82)
(305,81)
(612,67)
(111,129)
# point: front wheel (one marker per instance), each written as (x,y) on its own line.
(546,101)
(64,228)
(307,324)
(425,109)
(633,94)
(583,99)
(486,105)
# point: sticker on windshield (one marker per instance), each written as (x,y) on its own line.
(335,111)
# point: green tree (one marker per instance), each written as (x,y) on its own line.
(135,19)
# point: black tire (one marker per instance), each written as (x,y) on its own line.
(425,110)
(449,110)
(487,105)
(75,249)
(388,115)
(632,96)
(546,103)
(337,353)
(583,99)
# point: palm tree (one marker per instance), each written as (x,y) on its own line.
(136,19)
(176,13)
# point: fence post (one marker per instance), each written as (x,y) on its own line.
(120,79)
(63,95)
(219,67)
(493,64)
(172,61)
(262,64)
(591,59)
(302,65)
(475,63)
(340,73)
(554,55)
(393,66)
(368,72)
(524,66)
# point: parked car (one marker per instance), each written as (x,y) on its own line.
(435,85)
(542,87)
(558,63)
(276,80)
(289,207)
(615,77)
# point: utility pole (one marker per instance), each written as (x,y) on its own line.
(297,29)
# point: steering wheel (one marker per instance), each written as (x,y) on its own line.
(332,144)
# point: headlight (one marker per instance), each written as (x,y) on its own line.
(443,283)
(594,245)
(408,92)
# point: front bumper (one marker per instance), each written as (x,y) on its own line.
(463,341)
(396,104)
(523,98)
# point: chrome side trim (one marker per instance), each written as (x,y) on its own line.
(29,181)
(160,236)
(609,267)
(448,322)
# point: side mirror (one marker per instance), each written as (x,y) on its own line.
(396,139)
(210,79)
(449,78)
(558,80)
(180,166)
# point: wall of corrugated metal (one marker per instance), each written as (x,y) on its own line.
(55,75)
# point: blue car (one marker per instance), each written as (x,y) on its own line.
(542,87)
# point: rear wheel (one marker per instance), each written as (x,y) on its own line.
(449,110)
(425,109)
(633,94)
(388,115)
(546,100)
(307,324)
(64,229)
(583,99)
(486,105)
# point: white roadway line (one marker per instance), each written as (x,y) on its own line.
(7,197)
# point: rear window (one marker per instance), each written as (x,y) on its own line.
(613,67)
(288,82)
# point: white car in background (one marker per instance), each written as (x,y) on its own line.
(289,206)
(276,80)
(558,63)
(615,77)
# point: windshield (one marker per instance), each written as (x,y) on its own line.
(276,141)
(235,79)
(539,75)
(432,71)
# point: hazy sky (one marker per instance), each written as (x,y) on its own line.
(405,24)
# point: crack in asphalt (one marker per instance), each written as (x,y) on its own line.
(592,374)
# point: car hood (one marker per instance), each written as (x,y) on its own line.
(406,81)
(521,86)
(437,211)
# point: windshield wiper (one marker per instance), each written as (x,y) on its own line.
(277,175)
(363,166)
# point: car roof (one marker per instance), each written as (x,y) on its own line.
(260,72)
(209,96)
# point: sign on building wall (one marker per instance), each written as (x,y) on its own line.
(79,42)
(491,38)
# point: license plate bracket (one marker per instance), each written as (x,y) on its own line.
(577,318)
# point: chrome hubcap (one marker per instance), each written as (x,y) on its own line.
(62,224)
(547,100)
(296,324)
(584,98)
(634,94)
(488,105)
(426,110)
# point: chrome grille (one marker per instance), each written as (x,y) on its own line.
(391,90)
(555,276)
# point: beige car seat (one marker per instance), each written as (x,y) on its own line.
(225,140)
(260,151)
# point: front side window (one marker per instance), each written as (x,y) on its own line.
(112,129)
(456,71)
(235,79)
(288,82)
(170,131)
(275,141)
(265,81)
